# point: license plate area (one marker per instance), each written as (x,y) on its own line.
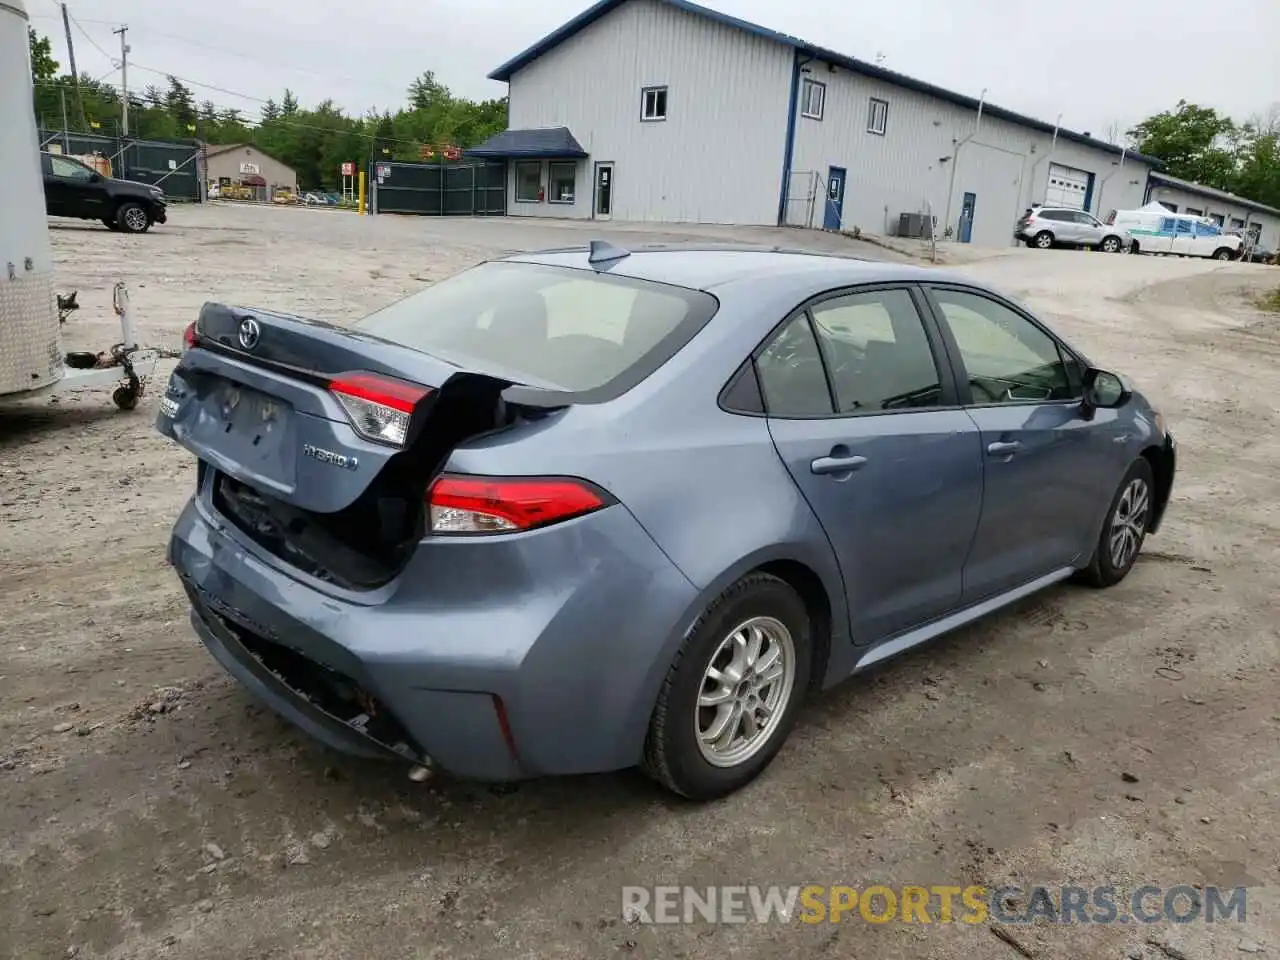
(249,428)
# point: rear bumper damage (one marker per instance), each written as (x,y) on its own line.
(491,658)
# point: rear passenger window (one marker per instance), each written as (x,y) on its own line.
(1007,357)
(877,352)
(792,379)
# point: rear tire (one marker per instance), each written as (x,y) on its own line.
(1222,254)
(750,655)
(133,218)
(1124,529)
(1043,240)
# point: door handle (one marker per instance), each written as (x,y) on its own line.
(1003,448)
(824,465)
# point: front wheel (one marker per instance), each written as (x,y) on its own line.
(132,218)
(1223,254)
(730,698)
(1044,240)
(1124,529)
(1110,244)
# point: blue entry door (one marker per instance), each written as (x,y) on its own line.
(834,206)
(966,217)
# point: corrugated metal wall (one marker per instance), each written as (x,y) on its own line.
(1006,166)
(717,158)
(1208,206)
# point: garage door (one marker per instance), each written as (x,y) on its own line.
(1068,187)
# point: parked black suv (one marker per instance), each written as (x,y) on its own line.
(73,190)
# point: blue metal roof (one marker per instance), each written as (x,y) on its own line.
(605,7)
(542,143)
(1202,190)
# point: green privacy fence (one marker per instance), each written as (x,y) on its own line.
(176,166)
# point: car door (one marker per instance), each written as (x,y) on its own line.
(79,191)
(1047,467)
(1090,229)
(866,419)
(1064,231)
(54,190)
(1184,238)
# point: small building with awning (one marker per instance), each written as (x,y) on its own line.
(547,173)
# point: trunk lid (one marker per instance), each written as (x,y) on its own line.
(252,399)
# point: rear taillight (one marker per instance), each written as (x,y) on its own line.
(464,504)
(189,338)
(379,408)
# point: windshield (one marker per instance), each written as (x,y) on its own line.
(576,330)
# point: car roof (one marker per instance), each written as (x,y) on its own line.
(713,267)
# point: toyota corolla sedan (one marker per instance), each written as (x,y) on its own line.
(590,509)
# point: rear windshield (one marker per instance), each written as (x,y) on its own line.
(573,330)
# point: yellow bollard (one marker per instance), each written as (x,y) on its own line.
(362,183)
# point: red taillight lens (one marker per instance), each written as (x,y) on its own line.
(462,504)
(189,338)
(379,408)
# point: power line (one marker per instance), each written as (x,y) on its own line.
(96,46)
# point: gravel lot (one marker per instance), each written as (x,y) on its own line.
(151,809)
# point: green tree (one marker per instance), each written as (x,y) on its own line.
(43,67)
(180,104)
(1195,143)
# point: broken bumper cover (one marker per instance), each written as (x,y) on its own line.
(541,654)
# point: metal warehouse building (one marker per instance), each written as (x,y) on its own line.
(666,110)
(1231,212)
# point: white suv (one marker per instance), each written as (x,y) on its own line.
(1046,227)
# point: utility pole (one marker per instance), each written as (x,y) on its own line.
(66,143)
(71,55)
(124,79)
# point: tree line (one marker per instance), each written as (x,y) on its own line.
(1194,142)
(314,141)
(1200,144)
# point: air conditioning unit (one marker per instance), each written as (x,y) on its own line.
(914,225)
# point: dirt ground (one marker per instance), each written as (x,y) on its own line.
(151,809)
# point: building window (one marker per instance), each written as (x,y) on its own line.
(878,116)
(653,103)
(563,180)
(528,182)
(1192,211)
(813,99)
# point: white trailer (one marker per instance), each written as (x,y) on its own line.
(31,359)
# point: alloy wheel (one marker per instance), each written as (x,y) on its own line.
(135,219)
(1044,241)
(745,691)
(1129,523)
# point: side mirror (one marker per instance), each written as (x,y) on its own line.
(95,177)
(1104,391)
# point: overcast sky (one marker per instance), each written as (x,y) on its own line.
(1097,62)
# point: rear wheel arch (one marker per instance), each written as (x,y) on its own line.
(806,582)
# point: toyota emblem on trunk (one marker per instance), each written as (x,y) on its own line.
(249,333)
